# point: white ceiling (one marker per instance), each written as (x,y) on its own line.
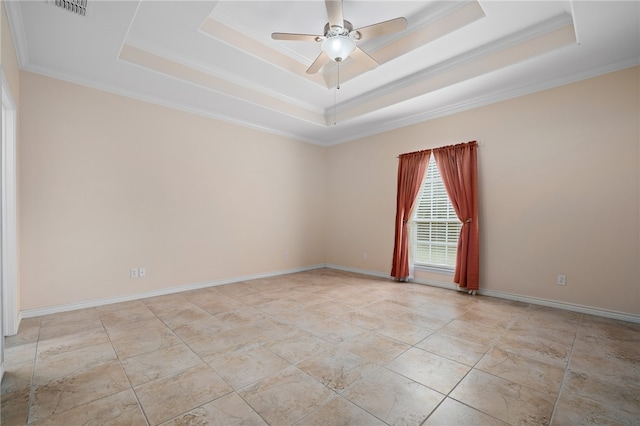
(217,58)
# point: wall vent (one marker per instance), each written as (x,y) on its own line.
(79,7)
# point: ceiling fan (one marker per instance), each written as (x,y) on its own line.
(339,38)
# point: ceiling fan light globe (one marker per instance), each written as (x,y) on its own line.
(338,48)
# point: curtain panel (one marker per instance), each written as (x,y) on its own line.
(458,167)
(411,170)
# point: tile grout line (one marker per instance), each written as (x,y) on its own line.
(33,372)
(447,395)
(146,417)
(491,347)
(234,391)
(481,320)
(195,353)
(566,370)
(33,387)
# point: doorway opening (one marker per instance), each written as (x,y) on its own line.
(8,201)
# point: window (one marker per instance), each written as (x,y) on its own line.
(436,226)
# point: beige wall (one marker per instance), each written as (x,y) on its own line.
(559,192)
(109,183)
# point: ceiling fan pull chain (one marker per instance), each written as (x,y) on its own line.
(335,113)
(335,97)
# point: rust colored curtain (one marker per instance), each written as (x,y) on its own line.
(459,170)
(411,170)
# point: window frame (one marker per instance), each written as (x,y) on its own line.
(428,181)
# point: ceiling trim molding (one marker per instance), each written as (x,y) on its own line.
(218,73)
(221,18)
(226,34)
(411,82)
(170,68)
(427,25)
(489,100)
(16,26)
(418,22)
(445,21)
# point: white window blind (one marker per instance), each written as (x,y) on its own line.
(436,226)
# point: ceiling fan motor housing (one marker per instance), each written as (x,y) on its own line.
(336,30)
(338,42)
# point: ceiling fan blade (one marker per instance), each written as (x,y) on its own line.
(334,12)
(364,58)
(381,28)
(296,37)
(322,59)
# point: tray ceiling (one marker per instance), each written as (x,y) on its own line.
(218,59)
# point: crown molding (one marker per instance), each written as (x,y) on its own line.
(488,100)
(92,84)
(370,129)
(16,25)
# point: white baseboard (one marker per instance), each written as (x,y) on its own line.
(590,310)
(358,271)
(18,322)
(29,313)
(13,329)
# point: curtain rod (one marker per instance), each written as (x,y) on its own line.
(443,147)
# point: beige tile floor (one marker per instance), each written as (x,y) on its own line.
(322,347)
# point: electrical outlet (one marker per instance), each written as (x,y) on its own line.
(286,255)
(142,272)
(133,273)
(562,280)
(365,256)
